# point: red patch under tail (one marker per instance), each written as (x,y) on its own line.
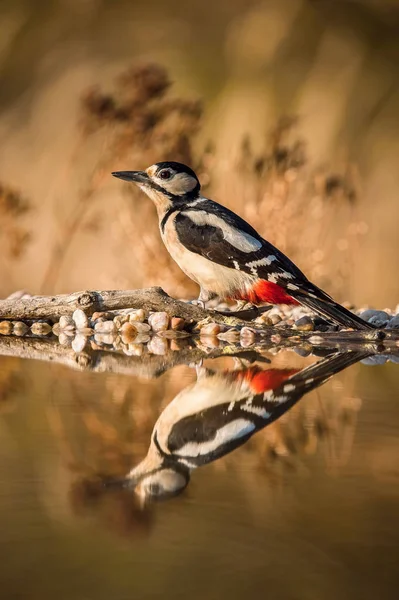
(265,292)
(261,381)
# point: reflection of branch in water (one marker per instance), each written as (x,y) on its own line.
(151,365)
(219,413)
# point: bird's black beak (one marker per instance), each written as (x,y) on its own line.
(133,176)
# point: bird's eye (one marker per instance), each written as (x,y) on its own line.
(165,174)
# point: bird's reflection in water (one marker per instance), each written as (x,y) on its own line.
(217,414)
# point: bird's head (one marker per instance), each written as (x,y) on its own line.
(165,183)
(158,476)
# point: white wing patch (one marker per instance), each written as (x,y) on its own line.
(239,239)
(289,387)
(232,431)
(266,261)
(256,410)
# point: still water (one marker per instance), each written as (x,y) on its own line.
(274,482)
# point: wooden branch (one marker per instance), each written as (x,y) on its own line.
(51,308)
(155,299)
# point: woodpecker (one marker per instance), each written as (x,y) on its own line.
(222,253)
(218,413)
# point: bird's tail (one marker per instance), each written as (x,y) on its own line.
(325,306)
(314,375)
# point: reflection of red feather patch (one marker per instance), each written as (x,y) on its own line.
(262,381)
(265,291)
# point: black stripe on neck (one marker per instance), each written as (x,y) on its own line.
(166,216)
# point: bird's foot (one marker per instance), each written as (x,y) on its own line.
(199,302)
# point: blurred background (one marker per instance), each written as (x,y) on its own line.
(288,109)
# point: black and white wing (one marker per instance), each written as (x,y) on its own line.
(217,430)
(218,234)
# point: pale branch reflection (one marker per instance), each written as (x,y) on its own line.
(218,413)
(147,364)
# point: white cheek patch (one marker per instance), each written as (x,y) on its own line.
(239,239)
(181,183)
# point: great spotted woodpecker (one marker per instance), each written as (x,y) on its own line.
(222,252)
(219,413)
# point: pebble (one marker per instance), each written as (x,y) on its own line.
(141,327)
(5,327)
(137,315)
(157,345)
(20,328)
(304,324)
(40,328)
(104,338)
(321,324)
(376,317)
(210,342)
(19,295)
(64,339)
(104,327)
(378,359)
(275,319)
(231,336)
(159,321)
(171,334)
(86,331)
(142,338)
(80,319)
(275,338)
(95,346)
(393,323)
(264,320)
(117,343)
(56,329)
(303,350)
(246,342)
(247,332)
(211,329)
(128,332)
(79,342)
(177,324)
(133,349)
(66,321)
(69,331)
(295,338)
(97,315)
(120,320)
(247,337)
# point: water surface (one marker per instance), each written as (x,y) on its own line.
(306,508)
